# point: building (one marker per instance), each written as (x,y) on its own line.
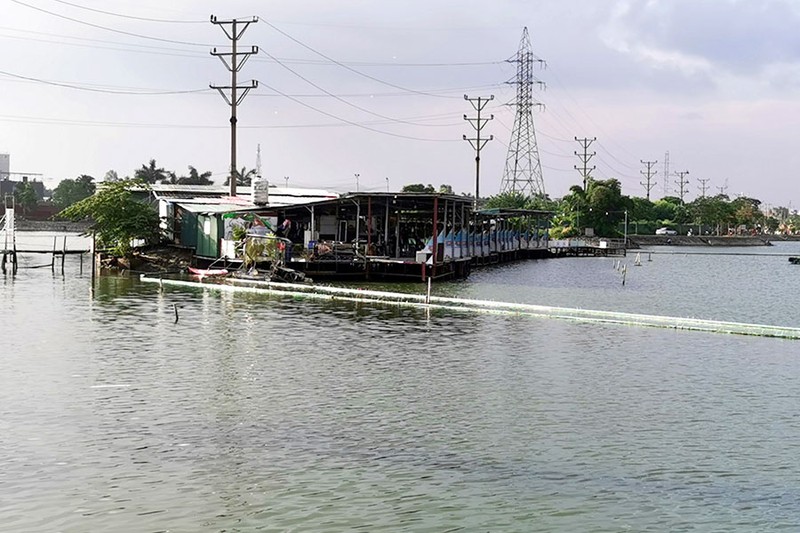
(5,166)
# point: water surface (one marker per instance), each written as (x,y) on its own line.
(265,413)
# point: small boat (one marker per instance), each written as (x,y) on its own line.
(794,260)
(208,272)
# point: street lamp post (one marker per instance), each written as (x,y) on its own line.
(625,237)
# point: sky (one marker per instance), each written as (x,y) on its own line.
(365,95)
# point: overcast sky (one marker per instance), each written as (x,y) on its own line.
(376,88)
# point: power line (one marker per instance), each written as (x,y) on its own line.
(130,16)
(96,90)
(350,122)
(339,98)
(131,34)
(347,67)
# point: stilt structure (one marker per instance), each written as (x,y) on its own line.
(523,170)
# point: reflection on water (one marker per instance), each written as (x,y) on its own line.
(265,412)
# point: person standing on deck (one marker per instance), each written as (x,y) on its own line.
(285,231)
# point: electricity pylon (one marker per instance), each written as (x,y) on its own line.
(523,170)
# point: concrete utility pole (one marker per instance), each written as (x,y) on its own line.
(234,61)
(476,142)
(703,186)
(648,174)
(682,182)
(585,171)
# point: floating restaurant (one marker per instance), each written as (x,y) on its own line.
(353,236)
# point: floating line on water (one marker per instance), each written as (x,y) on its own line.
(321,292)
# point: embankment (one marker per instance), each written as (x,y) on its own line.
(704,240)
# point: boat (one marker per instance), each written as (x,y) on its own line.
(208,272)
(794,260)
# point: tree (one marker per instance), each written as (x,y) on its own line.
(418,187)
(446,189)
(150,173)
(713,210)
(244,177)
(746,211)
(111,175)
(25,197)
(601,206)
(70,191)
(195,178)
(117,217)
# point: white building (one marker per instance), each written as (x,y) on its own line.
(5,166)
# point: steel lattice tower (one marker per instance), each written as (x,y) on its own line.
(523,170)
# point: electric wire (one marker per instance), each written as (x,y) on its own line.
(132,17)
(347,67)
(98,90)
(106,28)
(352,123)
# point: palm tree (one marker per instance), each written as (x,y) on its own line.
(243,177)
(150,173)
(195,178)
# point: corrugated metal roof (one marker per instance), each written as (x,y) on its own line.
(213,194)
(214,208)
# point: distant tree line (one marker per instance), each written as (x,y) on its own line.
(603,207)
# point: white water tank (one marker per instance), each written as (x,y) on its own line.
(260,191)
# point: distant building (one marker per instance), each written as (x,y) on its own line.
(7,186)
(5,166)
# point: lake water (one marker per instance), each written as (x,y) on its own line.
(265,413)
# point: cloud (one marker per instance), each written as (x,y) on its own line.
(691,37)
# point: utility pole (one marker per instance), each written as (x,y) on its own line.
(357,176)
(476,142)
(666,174)
(724,189)
(681,182)
(703,186)
(648,174)
(287,181)
(585,171)
(234,61)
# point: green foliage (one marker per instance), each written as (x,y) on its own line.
(117,217)
(111,175)
(418,187)
(518,200)
(244,177)
(25,197)
(601,206)
(70,191)
(150,173)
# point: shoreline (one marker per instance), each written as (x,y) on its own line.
(706,240)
